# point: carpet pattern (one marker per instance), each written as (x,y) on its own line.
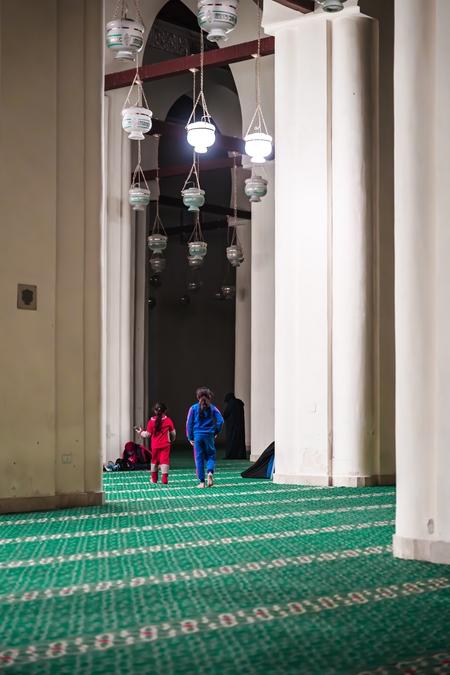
(247,577)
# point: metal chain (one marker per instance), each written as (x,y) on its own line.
(197,234)
(258,60)
(158,227)
(193,171)
(201,96)
(235,239)
(202,54)
(138,14)
(120,3)
(258,117)
(138,171)
(141,94)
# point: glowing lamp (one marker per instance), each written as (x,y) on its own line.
(201,135)
(258,146)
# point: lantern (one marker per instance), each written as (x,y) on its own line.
(217,18)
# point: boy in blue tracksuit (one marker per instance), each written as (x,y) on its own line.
(204,422)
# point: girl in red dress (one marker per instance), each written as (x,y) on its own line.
(162,433)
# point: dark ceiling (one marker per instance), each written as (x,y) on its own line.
(178,14)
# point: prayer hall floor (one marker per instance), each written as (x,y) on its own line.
(245,578)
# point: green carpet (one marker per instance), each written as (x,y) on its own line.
(245,578)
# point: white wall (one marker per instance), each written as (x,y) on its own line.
(50,230)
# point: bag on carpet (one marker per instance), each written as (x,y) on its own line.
(264,465)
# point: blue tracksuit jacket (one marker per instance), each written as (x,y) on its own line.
(209,424)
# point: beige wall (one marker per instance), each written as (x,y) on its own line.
(50,196)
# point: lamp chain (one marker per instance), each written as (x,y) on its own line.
(201,96)
(157,225)
(138,170)
(194,171)
(141,94)
(197,234)
(235,236)
(138,14)
(122,9)
(258,60)
(119,4)
(258,117)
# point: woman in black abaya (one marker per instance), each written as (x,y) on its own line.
(235,427)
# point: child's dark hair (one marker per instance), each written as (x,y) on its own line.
(159,409)
(204,397)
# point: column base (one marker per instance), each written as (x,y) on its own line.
(51,502)
(296,479)
(422,549)
(254,458)
(334,481)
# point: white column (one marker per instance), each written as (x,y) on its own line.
(326,215)
(354,92)
(302,133)
(263,318)
(243,349)
(422,283)
(118,300)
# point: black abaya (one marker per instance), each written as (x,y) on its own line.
(235,428)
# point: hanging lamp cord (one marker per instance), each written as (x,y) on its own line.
(197,234)
(138,173)
(122,9)
(258,118)
(206,117)
(235,239)
(158,227)
(194,170)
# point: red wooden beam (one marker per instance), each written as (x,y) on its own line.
(206,227)
(215,209)
(180,66)
(183,169)
(303,6)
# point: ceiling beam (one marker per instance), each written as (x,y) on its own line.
(183,169)
(206,227)
(177,202)
(213,59)
(303,6)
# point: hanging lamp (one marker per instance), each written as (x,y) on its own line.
(157,240)
(255,186)
(124,36)
(138,196)
(258,143)
(197,245)
(201,135)
(235,250)
(195,282)
(194,196)
(332,6)
(228,289)
(217,18)
(136,119)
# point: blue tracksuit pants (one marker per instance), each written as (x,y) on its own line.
(204,451)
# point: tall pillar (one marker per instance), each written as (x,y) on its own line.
(243,349)
(263,318)
(118,287)
(422,282)
(326,220)
(354,176)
